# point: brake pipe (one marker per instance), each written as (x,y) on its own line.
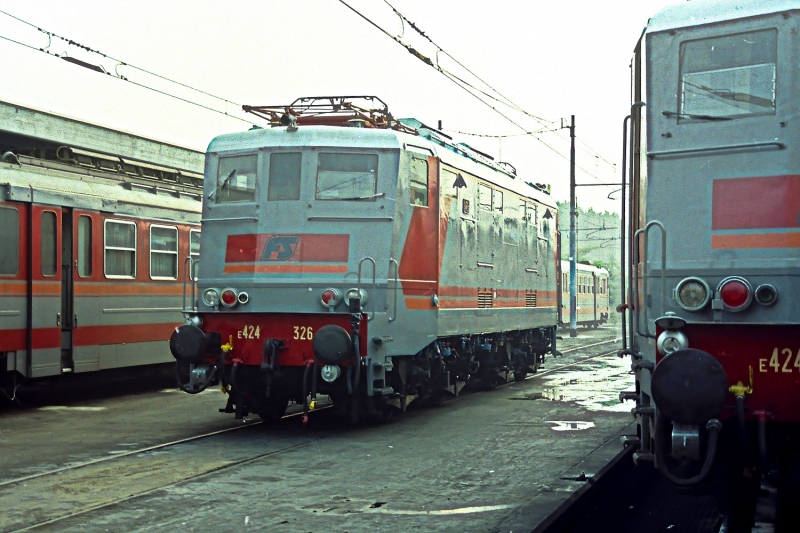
(662,424)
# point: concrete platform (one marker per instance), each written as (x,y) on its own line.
(493,461)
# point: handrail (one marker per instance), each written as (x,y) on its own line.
(188,274)
(374,280)
(636,252)
(686,151)
(394,262)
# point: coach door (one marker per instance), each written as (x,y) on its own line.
(45,292)
(66,317)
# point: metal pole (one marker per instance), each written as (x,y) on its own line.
(573,286)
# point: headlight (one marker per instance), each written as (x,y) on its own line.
(330,373)
(670,341)
(692,294)
(355,293)
(211,297)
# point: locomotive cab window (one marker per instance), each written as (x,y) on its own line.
(236,179)
(419,181)
(120,249)
(347,176)
(163,252)
(284,176)
(9,244)
(728,77)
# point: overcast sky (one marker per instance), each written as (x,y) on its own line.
(551,58)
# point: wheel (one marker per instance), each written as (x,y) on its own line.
(273,409)
(787,513)
(521,375)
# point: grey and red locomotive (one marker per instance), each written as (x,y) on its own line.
(714,240)
(369,259)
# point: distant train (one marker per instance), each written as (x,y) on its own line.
(591,297)
(714,237)
(95,226)
(370,259)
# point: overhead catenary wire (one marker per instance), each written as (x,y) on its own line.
(469,88)
(505,100)
(116,74)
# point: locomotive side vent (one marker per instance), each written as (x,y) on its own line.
(530,298)
(485,299)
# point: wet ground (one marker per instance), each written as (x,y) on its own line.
(493,461)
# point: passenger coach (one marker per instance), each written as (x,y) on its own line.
(95,226)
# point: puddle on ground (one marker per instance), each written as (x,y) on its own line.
(595,387)
(566,425)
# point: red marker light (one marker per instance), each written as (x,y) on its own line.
(735,294)
(329,297)
(228,297)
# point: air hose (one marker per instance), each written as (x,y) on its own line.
(663,425)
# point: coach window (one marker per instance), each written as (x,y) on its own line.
(49,238)
(163,252)
(419,181)
(84,246)
(236,179)
(347,176)
(284,176)
(194,251)
(730,76)
(120,249)
(9,244)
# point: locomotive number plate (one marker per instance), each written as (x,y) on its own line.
(250,332)
(782,360)
(303,333)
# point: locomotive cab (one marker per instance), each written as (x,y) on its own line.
(713,210)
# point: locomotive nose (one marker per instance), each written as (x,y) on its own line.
(689,386)
(188,343)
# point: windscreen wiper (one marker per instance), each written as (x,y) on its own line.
(693,116)
(369,197)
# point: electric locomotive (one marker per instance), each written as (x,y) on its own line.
(370,259)
(713,236)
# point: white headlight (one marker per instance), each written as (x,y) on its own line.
(211,297)
(670,341)
(330,373)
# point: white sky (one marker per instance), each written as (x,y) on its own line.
(552,58)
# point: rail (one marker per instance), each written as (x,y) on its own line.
(394,262)
(188,275)
(643,260)
(374,282)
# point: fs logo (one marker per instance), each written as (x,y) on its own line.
(280,248)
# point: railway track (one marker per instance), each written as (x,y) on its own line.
(43,499)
